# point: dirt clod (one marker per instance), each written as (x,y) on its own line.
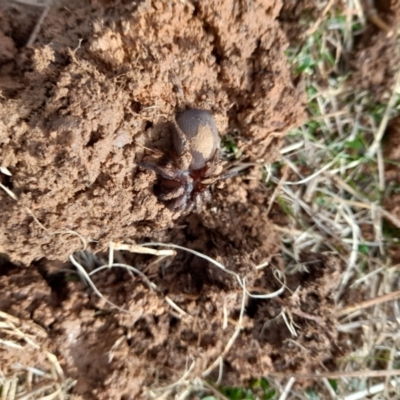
(90,103)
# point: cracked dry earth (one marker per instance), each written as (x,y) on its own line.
(78,110)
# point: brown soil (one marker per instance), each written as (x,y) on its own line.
(121,355)
(91,99)
(78,110)
(295,17)
(376,57)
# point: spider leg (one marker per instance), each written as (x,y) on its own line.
(213,169)
(165,172)
(189,206)
(210,181)
(172,194)
(180,202)
(198,200)
(215,157)
(229,174)
(206,196)
(214,166)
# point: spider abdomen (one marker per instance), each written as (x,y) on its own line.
(198,128)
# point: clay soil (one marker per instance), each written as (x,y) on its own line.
(79,108)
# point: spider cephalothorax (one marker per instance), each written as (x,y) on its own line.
(184,180)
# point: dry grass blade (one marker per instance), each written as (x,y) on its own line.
(88,280)
(181,380)
(5,171)
(141,249)
(26,382)
(9,388)
(385,120)
(38,25)
(177,308)
(277,190)
(35,3)
(373,16)
(369,303)
(287,389)
(9,192)
(223,268)
(315,174)
(64,232)
(233,337)
(342,374)
(317,23)
(375,389)
(133,248)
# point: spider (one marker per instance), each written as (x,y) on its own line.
(183,183)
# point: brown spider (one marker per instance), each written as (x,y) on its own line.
(184,182)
